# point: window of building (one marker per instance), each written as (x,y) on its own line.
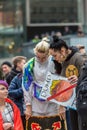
(53,11)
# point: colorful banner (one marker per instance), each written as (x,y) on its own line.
(46,123)
(59,90)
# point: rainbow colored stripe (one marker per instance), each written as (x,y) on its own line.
(28,73)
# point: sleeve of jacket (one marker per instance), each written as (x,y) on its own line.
(1,122)
(79,62)
(17,118)
(27,96)
(14,90)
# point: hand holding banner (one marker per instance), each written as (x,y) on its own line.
(59,90)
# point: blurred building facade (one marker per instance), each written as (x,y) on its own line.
(12,27)
(21,20)
(53,15)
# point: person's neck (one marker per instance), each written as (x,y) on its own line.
(18,69)
(69,51)
(2,106)
(2,103)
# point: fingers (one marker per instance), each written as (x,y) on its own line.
(28,112)
(62,112)
(73,79)
(62,116)
(27,116)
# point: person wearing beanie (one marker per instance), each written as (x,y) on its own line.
(15,93)
(6,68)
(4,83)
(10,118)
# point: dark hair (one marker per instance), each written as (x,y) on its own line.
(58,67)
(6,63)
(58,43)
(75,48)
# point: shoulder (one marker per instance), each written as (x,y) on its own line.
(19,75)
(77,58)
(77,54)
(12,74)
(11,103)
(30,62)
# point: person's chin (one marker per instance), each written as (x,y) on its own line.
(5,96)
(58,61)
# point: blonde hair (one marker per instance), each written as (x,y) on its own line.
(42,47)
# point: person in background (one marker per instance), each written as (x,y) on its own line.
(36,39)
(80,32)
(10,118)
(34,76)
(67,31)
(15,93)
(6,67)
(18,62)
(58,34)
(82,50)
(1,74)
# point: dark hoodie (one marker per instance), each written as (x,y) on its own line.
(58,66)
(74,50)
(75,59)
(12,74)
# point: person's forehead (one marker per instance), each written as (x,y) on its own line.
(5,66)
(23,60)
(56,51)
(2,86)
(41,54)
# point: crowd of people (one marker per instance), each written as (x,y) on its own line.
(22,81)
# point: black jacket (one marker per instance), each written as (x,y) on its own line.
(11,75)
